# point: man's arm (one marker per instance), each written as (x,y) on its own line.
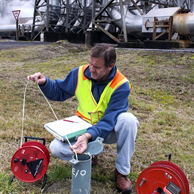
(60,90)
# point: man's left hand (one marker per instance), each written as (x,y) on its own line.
(81,145)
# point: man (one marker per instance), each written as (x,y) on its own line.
(102,92)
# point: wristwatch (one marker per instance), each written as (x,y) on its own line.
(86,136)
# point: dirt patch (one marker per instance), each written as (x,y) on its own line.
(64,186)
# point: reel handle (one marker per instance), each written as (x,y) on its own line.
(36,138)
(168,156)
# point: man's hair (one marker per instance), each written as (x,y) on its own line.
(104,51)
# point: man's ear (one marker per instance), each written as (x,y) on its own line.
(111,66)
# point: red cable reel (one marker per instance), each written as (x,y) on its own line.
(162,177)
(29,163)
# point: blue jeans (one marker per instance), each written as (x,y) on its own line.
(124,135)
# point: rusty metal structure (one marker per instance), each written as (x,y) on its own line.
(119,20)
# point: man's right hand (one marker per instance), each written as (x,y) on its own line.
(37,78)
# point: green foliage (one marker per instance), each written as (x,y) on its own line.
(58,172)
(99,176)
(4,183)
(133,176)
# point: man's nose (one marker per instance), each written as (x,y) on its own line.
(92,69)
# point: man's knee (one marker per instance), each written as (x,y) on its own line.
(127,123)
(60,149)
(128,119)
(54,148)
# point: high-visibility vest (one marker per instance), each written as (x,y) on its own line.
(88,108)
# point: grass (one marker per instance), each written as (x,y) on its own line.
(161,98)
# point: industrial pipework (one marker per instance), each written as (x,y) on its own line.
(120,20)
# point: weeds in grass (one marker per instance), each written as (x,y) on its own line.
(161,98)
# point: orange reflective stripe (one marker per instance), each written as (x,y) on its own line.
(83,69)
(130,86)
(119,77)
(82,116)
(93,99)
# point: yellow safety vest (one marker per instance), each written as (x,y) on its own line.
(88,109)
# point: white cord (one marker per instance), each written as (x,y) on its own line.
(47,102)
(23,115)
(53,113)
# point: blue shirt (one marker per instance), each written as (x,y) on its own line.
(61,90)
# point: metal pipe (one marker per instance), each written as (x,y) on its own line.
(8,28)
(133,22)
(183,23)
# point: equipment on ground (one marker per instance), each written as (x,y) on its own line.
(29,163)
(162,177)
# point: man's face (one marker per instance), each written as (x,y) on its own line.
(98,70)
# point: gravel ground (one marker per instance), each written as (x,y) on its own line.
(10,44)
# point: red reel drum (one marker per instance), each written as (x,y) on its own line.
(178,170)
(162,177)
(30,162)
